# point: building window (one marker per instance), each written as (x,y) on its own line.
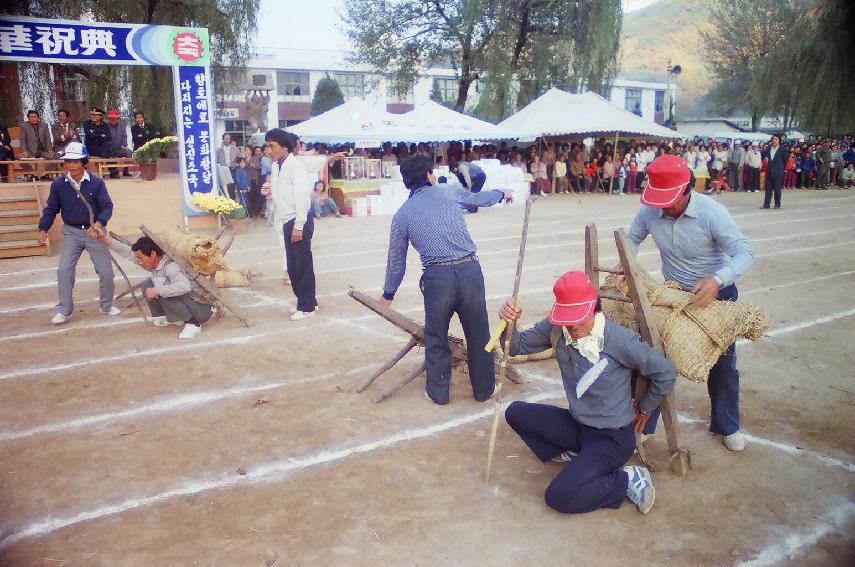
(659,101)
(394,96)
(237,129)
(633,101)
(351,84)
(447,89)
(292,85)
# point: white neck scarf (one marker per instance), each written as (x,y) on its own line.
(591,345)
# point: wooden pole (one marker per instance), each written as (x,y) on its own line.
(410,377)
(508,334)
(407,348)
(614,165)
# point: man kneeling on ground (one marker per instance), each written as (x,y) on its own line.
(168,289)
(595,437)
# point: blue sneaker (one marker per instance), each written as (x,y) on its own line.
(640,488)
(564,457)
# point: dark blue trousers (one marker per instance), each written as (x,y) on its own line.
(457,288)
(301,269)
(722,385)
(593,479)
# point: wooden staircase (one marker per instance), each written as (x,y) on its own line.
(19,227)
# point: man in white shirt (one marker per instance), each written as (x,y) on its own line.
(754,161)
(291,188)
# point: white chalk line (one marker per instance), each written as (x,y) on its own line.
(239,340)
(64,330)
(834,522)
(803,325)
(264,473)
(479,241)
(180,402)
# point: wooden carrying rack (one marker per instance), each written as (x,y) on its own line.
(680,458)
(417,338)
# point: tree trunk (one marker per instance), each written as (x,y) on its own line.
(755,120)
(463,90)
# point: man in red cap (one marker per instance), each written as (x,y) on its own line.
(595,436)
(703,250)
(118,140)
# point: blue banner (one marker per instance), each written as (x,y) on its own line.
(193,111)
(65,41)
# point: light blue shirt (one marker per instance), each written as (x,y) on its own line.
(703,242)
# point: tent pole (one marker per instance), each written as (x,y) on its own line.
(614,164)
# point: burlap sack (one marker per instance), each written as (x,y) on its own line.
(201,252)
(693,339)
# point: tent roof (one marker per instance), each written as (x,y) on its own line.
(450,125)
(559,113)
(358,121)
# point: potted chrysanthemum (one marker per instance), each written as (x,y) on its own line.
(148,154)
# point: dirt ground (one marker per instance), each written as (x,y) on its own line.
(121,446)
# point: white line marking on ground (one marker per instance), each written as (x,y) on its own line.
(186,401)
(833,522)
(71,328)
(263,473)
(803,325)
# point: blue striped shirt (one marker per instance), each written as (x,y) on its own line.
(433,221)
(703,242)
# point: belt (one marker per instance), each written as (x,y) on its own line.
(83,226)
(470,258)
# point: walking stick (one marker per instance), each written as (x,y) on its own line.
(76,186)
(503,364)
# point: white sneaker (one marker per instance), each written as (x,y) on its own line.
(317,309)
(113,310)
(160,321)
(190,331)
(564,457)
(734,441)
(640,488)
(59,319)
(300,315)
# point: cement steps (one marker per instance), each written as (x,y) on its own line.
(19,227)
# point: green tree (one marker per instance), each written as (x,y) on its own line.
(231,24)
(327,96)
(744,34)
(492,41)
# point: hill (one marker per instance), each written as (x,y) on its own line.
(668,29)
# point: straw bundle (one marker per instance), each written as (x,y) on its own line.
(693,339)
(201,252)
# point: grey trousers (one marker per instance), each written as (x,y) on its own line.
(75,240)
(177,309)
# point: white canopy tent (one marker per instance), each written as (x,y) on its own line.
(449,125)
(557,113)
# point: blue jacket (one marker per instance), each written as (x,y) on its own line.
(64,199)
(241,179)
(807,164)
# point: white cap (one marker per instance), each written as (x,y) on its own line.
(75,150)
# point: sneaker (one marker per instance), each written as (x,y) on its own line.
(639,489)
(734,441)
(190,331)
(300,315)
(339,215)
(160,321)
(564,457)
(113,310)
(317,309)
(59,319)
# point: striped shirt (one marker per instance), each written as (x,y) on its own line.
(703,242)
(432,221)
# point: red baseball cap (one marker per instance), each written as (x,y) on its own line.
(112,113)
(575,299)
(667,177)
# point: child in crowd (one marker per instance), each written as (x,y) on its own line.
(560,173)
(241,177)
(608,172)
(789,173)
(807,166)
(633,173)
(322,203)
(621,174)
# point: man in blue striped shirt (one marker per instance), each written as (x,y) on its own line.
(703,250)
(452,282)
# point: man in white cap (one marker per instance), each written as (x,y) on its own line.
(703,250)
(78,234)
(595,436)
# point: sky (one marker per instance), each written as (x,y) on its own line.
(283,26)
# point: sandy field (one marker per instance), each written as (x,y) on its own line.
(121,446)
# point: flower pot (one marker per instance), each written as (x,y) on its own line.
(148,171)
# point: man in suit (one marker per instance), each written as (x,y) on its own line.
(141,131)
(63,132)
(823,159)
(35,138)
(118,140)
(776,159)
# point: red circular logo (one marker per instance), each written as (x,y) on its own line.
(187,46)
